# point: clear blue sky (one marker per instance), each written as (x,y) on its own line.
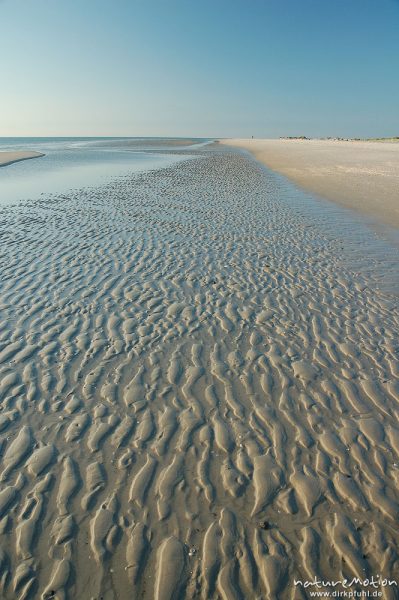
(199,67)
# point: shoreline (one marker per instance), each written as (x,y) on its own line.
(8,158)
(360,175)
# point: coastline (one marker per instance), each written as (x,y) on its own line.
(8,158)
(360,175)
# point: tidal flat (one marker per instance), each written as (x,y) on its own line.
(199,390)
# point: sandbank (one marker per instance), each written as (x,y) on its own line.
(7,158)
(360,175)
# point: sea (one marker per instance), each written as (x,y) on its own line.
(76,162)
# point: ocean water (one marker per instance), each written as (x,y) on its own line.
(71,163)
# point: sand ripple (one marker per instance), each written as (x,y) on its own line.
(197,399)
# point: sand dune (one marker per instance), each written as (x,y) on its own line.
(7,158)
(362,176)
(197,399)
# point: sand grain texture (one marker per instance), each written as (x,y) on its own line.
(197,399)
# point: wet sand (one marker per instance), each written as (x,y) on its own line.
(362,176)
(197,399)
(7,158)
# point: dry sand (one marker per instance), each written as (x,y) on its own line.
(362,176)
(7,158)
(197,400)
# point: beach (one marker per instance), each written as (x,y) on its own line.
(8,158)
(199,398)
(360,175)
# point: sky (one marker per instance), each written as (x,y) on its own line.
(203,68)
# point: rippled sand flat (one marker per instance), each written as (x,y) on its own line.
(198,400)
